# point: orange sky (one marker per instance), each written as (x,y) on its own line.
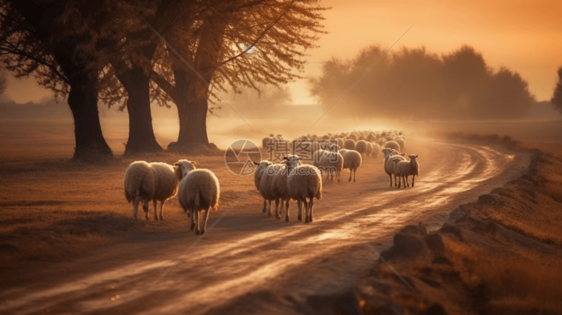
(523,35)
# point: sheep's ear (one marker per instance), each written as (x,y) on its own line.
(193,163)
(416,155)
(256,163)
(177,164)
(403,154)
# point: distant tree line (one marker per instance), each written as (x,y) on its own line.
(113,51)
(556,99)
(417,84)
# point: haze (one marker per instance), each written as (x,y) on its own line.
(520,35)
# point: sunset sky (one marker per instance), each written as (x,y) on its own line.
(522,35)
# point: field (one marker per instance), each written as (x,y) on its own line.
(69,244)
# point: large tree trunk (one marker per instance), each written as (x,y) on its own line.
(83,102)
(193,121)
(141,133)
(192,89)
(83,81)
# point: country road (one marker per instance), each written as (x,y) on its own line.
(251,263)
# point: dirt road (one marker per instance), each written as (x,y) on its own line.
(252,263)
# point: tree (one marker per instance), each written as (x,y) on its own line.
(556,99)
(48,39)
(130,59)
(235,43)
(413,83)
(3,82)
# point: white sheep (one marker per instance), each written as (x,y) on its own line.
(389,164)
(280,190)
(329,163)
(150,181)
(266,184)
(199,190)
(403,169)
(351,160)
(392,145)
(261,168)
(361,147)
(401,142)
(303,181)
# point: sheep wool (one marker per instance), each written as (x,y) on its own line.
(349,144)
(393,145)
(199,191)
(150,182)
(351,160)
(389,164)
(304,183)
(403,169)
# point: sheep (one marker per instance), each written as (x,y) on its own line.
(303,181)
(401,142)
(361,147)
(199,190)
(266,186)
(266,140)
(376,149)
(389,164)
(340,142)
(280,190)
(349,144)
(261,168)
(369,151)
(412,169)
(351,160)
(403,169)
(329,162)
(392,145)
(150,181)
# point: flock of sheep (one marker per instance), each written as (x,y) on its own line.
(199,189)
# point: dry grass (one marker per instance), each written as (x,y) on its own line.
(53,207)
(513,284)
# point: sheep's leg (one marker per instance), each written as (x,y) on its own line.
(155,204)
(350,172)
(276,207)
(413,177)
(311,206)
(135,207)
(354,174)
(390,175)
(305,210)
(162,210)
(300,210)
(192,217)
(264,205)
(145,208)
(286,209)
(279,212)
(197,222)
(269,206)
(204,227)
